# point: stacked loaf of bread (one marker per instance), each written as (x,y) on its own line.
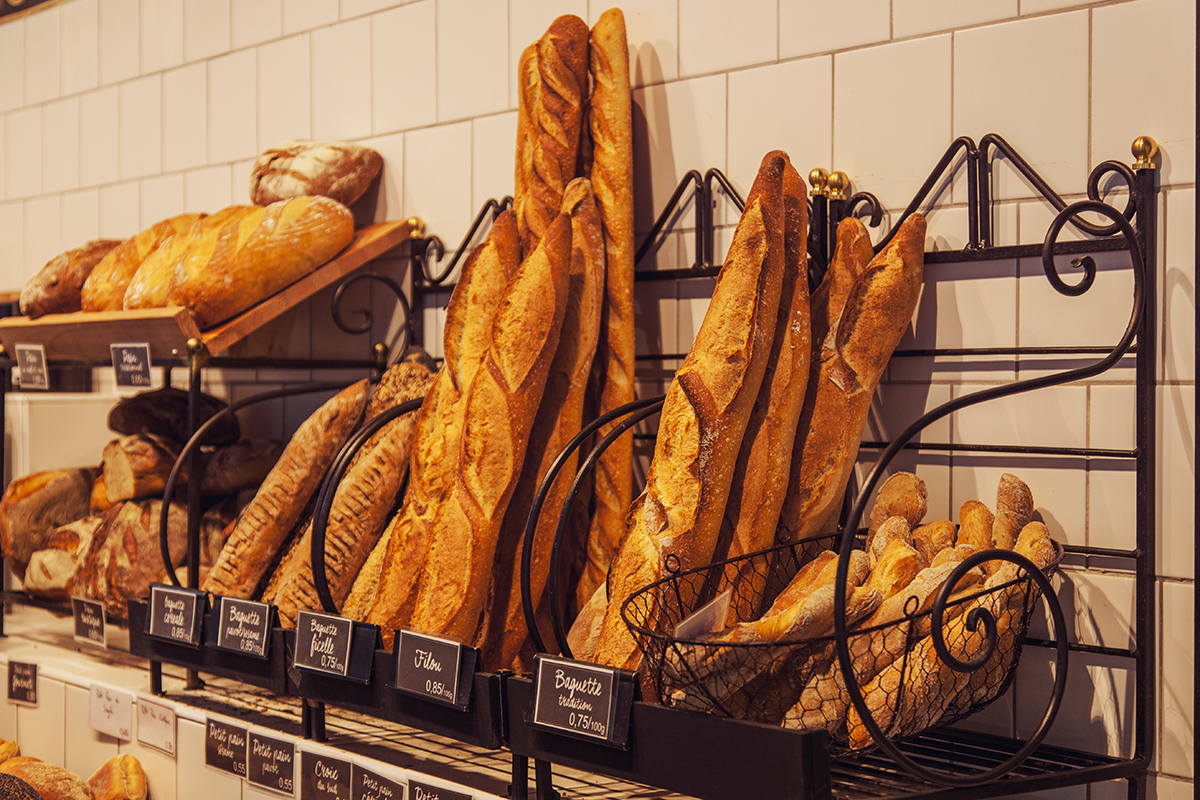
(119,778)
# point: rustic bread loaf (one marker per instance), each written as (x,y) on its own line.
(610,122)
(266,522)
(104,289)
(34,505)
(138,466)
(934,537)
(8,750)
(251,258)
(903,494)
(678,515)
(496,421)
(897,565)
(119,778)
(365,589)
(584,634)
(49,781)
(55,288)
(975,522)
(877,311)
(549,163)
(559,418)
(892,528)
(436,445)
(1014,510)
(164,413)
(52,568)
(300,167)
(242,465)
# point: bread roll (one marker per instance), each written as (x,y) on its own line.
(251,258)
(497,417)
(49,781)
(164,413)
(975,522)
(877,311)
(298,167)
(266,522)
(33,506)
(436,444)
(893,528)
(678,515)
(903,494)
(934,537)
(611,126)
(119,778)
(1014,510)
(138,466)
(104,289)
(55,288)
(8,750)
(52,569)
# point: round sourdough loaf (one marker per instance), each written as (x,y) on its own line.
(300,167)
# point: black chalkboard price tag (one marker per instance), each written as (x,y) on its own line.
(368,785)
(89,621)
(434,668)
(323,643)
(323,778)
(31,367)
(584,700)
(22,683)
(423,791)
(271,763)
(176,615)
(243,626)
(225,747)
(132,364)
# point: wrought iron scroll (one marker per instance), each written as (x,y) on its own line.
(434,249)
(368,318)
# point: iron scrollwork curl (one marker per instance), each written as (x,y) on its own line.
(434,249)
(870,203)
(401,299)
(856,515)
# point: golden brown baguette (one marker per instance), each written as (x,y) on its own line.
(138,466)
(365,588)
(851,255)
(893,528)
(585,630)
(704,416)
(555,122)
(497,417)
(251,258)
(975,521)
(36,504)
(1014,510)
(898,564)
(528,82)
(104,289)
(903,494)
(877,311)
(933,537)
(559,418)
(55,288)
(436,445)
(610,122)
(265,523)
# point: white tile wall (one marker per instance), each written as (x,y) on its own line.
(42,228)
(99,114)
(1177,286)
(404,67)
(911,17)
(161,197)
(206,28)
(162,35)
(185,117)
(233,109)
(437,179)
(471,33)
(1177,481)
(12,241)
(85,749)
(652,27)
(120,37)
(341,99)
(821,27)
(80,217)
(302,15)
(256,21)
(139,134)
(285,105)
(208,189)
(23,143)
(12,63)
(79,27)
(751,36)
(1178,685)
(356,8)
(41,728)
(391,191)
(120,210)
(42,62)
(492,148)
(60,129)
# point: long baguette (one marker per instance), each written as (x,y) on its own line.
(266,522)
(610,122)
(850,257)
(678,516)
(499,411)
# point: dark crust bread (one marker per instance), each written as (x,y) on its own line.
(163,413)
(298,167)
(55,288)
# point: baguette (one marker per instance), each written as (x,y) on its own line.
(933,537)
(138,466)
(610,122)
(851,255)
(548,163)
(497,417)
(559,418)
(436,444)
(365,588)
(678,515)
(251,258)
(584,634)
(104,289)
(265,523)
(56,287)
(877,311)
(34,505)
(1014,510)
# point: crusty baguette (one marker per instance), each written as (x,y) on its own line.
(934,537)
(752,513)
(496,421)
(104,289)
(851,255)
(467,334)
(119,778)
(678,515)
(877,311)
(266,522)
(975,522)
(36,504)
(361,600)
(896,567)
(903,494)
(559,418)
(585,630)
(55,288)
(610,122)
(528,82)
(555,121)
(251,258)
(138,466)
(1014,510)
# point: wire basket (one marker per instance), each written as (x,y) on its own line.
(907,684)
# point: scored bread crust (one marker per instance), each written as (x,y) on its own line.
(467,334)
(496,419)
(104,289)
(851,255)
(265,523)
(34,505)
(611,124)
(297,167)
(678,515)
(55,288)
(559,418)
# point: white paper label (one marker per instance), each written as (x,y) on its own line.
(111,711)
(156,726)
(709,618)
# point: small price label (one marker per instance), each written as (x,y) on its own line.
(111,711)
(243,626)
(225,747)
(423,791)
(428,667)
(323,778)
(175,614)
(368,785)
(156,726)
(578,698)
(271,763)
(22,683)
(31,367)
(131,363)
(89,621)
(323,643)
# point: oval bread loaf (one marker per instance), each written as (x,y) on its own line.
(55,288)
(51,782)
(34,505)
(119,778)
(299,167)
(104,289)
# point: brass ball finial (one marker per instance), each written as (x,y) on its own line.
(416,227)
(194,345)
(839,186)
(1144,149)
(817,180)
